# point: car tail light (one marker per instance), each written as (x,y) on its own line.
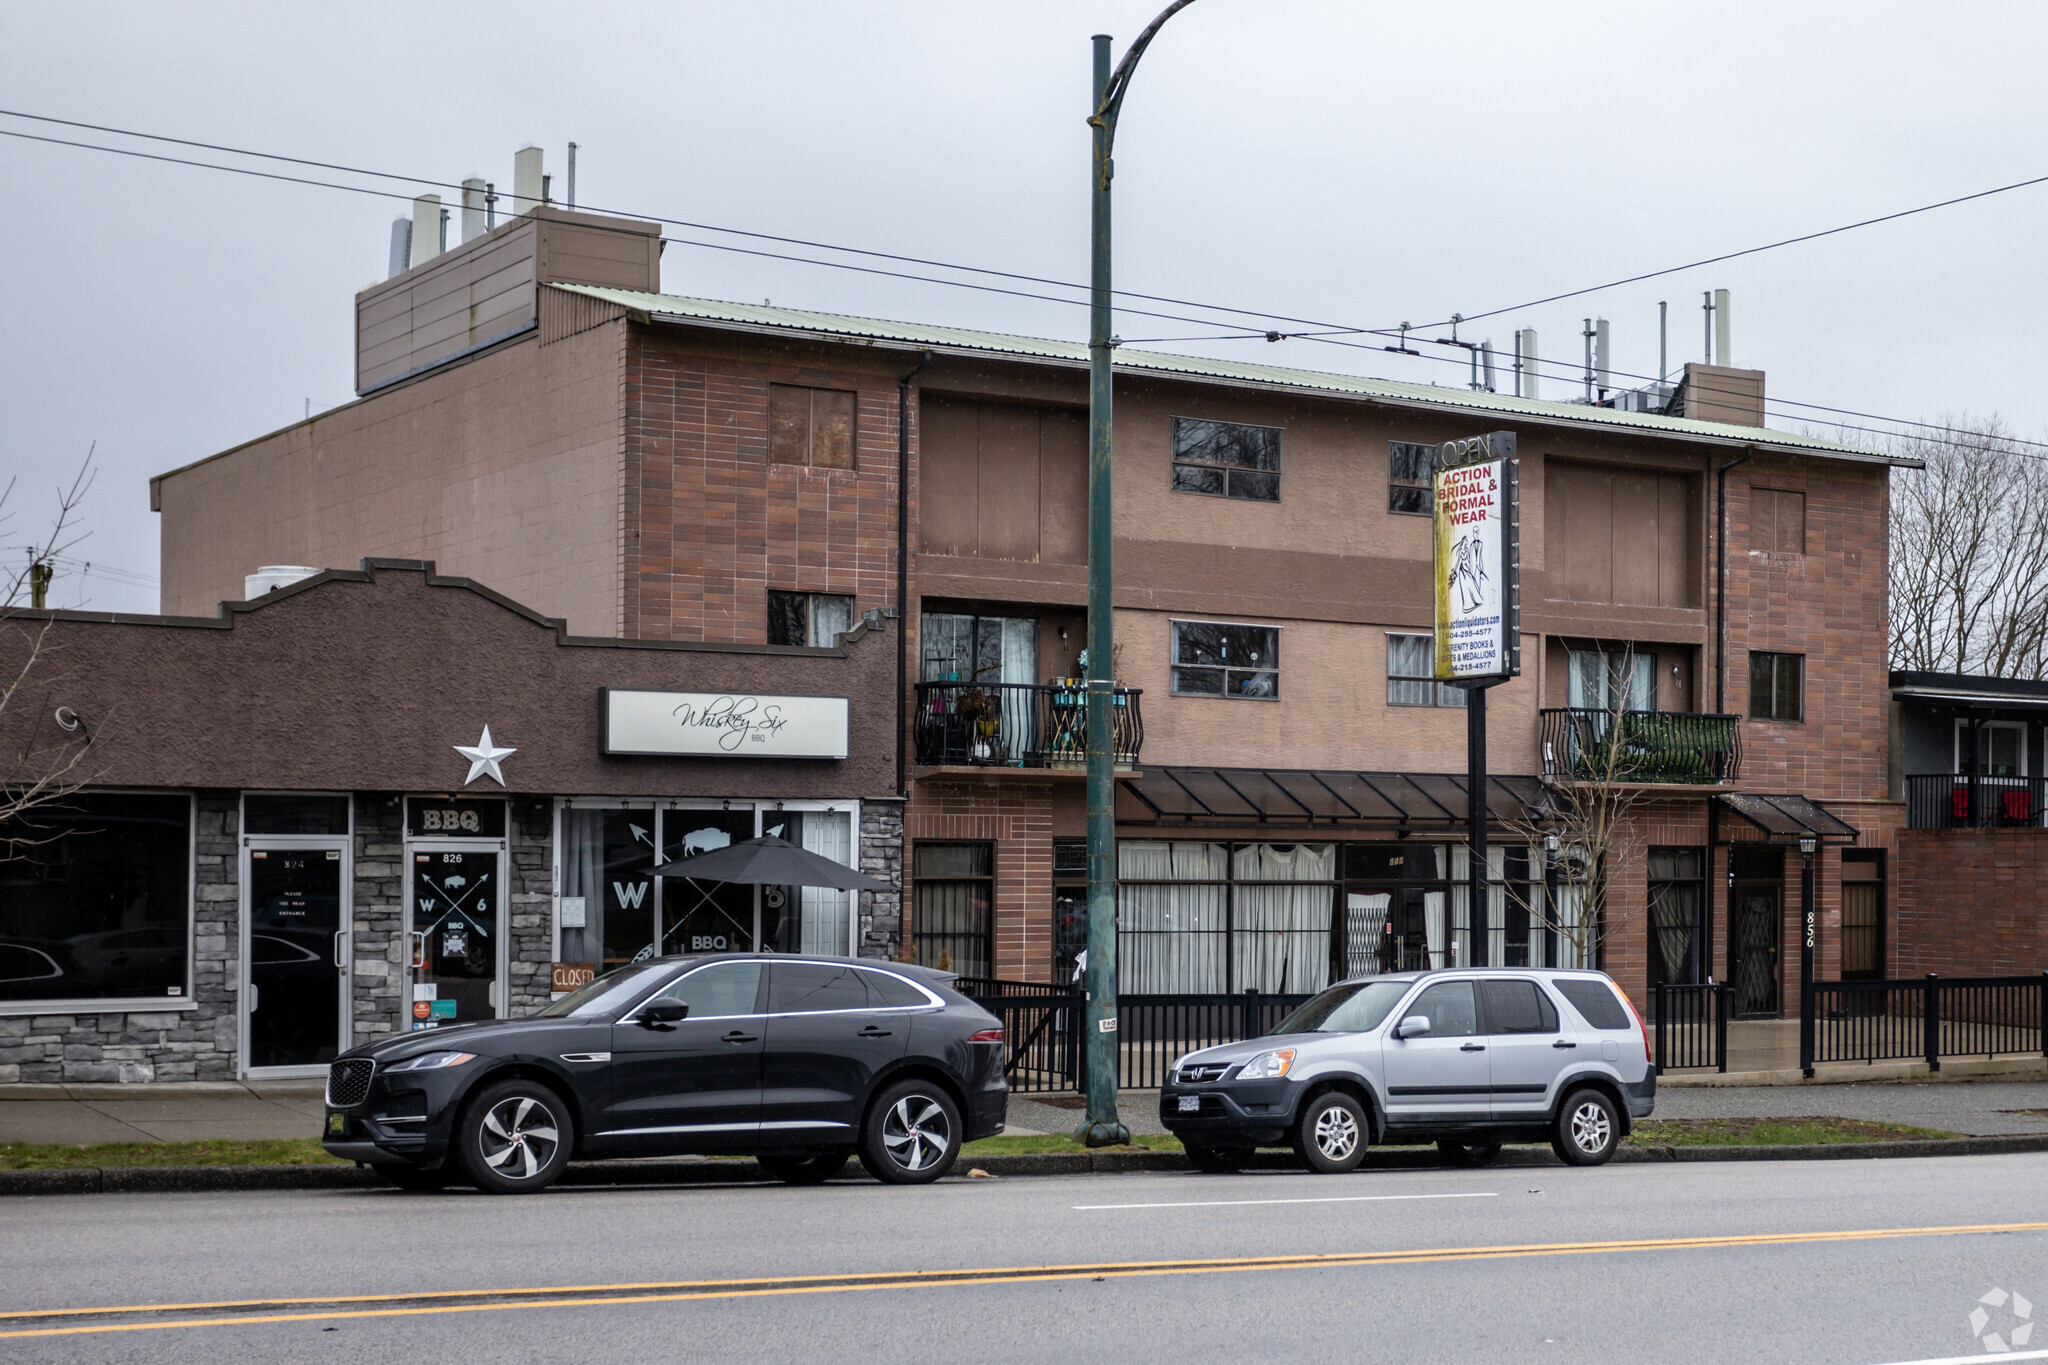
(1639,1026)
(987,1035)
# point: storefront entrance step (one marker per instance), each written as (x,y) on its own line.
(2034,1068)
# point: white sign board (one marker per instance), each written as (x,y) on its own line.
(1478,568)
(723,725)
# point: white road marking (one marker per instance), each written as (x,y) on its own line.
(1333,1199)
(1977,1359)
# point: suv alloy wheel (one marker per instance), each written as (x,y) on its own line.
(912,1134)
(1587,1129)
(514,1137)
(1332,1134)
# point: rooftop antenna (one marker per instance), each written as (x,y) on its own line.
(1602,369)
(1525,351)
(572,175)
(1588,334)
(1707,321)
(1723,321)
(1486,362)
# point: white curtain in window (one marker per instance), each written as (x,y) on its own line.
(1171,938)
(831,616)
(1433,928)
(828,914)
(1570,896)
(1283,932)
(583,878)
(1019,665)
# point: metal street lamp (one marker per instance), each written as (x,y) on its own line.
(1806,848)
(1103,1127)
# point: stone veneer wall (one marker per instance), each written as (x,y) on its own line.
(532,827)
(379,915)
(881,857)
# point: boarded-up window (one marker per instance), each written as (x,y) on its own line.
(811,427)
(1621,535)
(1002,480)
(1777,521)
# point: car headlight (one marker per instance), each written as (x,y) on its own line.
(432,1061)
(1267,1065)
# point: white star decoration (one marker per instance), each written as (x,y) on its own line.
(483,758)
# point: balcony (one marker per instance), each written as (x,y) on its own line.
(1959,801)
(1018,725)
(1642,748)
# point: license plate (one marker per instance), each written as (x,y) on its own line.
(1190,1104)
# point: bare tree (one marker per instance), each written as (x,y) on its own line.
(49,762)
(1969,554)
(1598,768)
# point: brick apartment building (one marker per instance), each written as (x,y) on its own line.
(533,415)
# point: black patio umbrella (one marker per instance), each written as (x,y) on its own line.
(769,861)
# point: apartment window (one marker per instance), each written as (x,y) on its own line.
(1410,471)
(952,918)
(96,900)
(1226,459)
(2001,748)
(807,618)
(1862,915)
(1069,907)
(1612,680)
(1777,521)
(811,427)
(1774,685)
(1212,659)
(1411,674)
(1677,890)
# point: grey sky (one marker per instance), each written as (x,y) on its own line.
(1362,163)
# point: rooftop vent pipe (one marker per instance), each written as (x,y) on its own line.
(474,217)
(401,247)
(271,577)
(526,180)
(426,228)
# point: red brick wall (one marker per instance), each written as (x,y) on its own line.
(1017,817)
(711,525)
(1970,902)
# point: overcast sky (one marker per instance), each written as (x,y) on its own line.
(1362,163)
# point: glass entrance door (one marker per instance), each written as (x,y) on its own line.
(297,952)
(456,931)
(1756,929)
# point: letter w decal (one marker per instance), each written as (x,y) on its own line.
(630,896)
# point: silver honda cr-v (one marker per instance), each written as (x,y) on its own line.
(1467,1059)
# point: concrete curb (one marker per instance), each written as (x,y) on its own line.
(1873,1073)
(199,1179)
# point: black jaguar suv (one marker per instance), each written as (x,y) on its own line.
(800,1062)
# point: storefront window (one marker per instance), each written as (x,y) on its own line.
(1677,886)
(1201,918)
(95,900)
(607,912)
(809,919)
(707,916)
(955,898)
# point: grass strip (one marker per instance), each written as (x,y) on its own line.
(1792,1132)
(26,1156)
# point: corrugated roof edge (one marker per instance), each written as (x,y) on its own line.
(841,327)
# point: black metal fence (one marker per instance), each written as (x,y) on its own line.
(1689,748)
(1042,1030)
(1924,1020)
(1959,801)
(1689,1026)
(1018,725)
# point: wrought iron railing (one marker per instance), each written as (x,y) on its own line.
(1960,801)
(1018,725)
(1925,1019)
(1689,1026)
(1678,747)
(1042,1033)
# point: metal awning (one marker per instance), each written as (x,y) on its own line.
(1299,798)
(1789,818)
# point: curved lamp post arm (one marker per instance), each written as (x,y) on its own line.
(1120,79)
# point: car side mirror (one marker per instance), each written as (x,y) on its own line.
(1414,1026)
(665,1012)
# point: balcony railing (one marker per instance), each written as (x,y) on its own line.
(1018,725)
(1959,801)
(1665,747)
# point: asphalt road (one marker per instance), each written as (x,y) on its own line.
(1418,1272)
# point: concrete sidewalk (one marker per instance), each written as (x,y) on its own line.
(198,1111)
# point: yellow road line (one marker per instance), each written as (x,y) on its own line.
(585,1296)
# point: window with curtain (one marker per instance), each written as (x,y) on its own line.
(607,909)
(1411,674)
(1677,890)
(808,618)
(988,649)
(810,919)
(1280,933)
(1514,908)
(1611,680)
(952,916)
(1173,924)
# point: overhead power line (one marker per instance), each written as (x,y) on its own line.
(1328,333)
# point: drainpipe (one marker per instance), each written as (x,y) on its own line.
(1721,580)
(903,564)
